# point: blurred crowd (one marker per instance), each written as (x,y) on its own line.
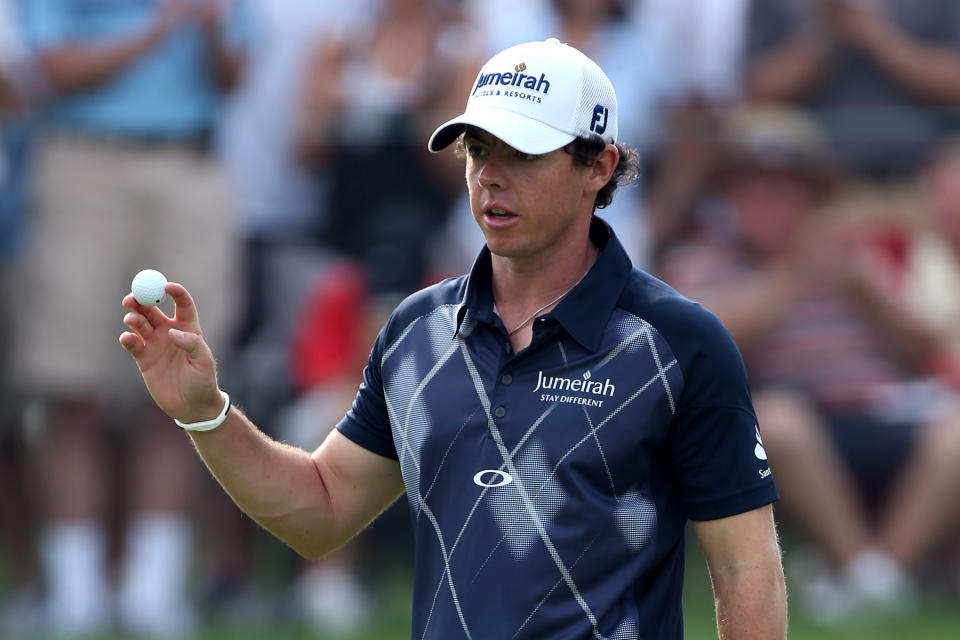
(801,180)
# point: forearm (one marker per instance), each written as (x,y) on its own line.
(227,64)
(931,72)
(275,484)
(752,306)
(790,72)
(314,502)
(75,67)
(9,101)
(908,337)
(743,555)
(319,99)
(686,164)
(751,604)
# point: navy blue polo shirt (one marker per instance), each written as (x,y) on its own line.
(550,488)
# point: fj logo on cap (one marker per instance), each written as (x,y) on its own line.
(599,124)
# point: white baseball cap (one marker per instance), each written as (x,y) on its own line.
(537,97)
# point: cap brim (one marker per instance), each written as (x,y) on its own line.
(520,132)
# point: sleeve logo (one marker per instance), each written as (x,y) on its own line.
(759,451)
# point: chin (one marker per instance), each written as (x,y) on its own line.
(501,249)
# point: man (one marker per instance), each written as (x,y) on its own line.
(136,91)
(810,285)
(879,75)
(278,210)
(21,91)
(555,417)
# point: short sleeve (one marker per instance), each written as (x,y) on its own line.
(367,422)
(239,26)
(717,455)
(44,23)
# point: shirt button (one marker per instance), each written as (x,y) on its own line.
(506,379)
(499,412)
(506,347)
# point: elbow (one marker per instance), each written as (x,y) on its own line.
(305,546)
(229,71)
(312,549)
(62,76)
(308,552)
(9,101)
(310,536)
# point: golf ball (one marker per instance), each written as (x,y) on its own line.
(147,287)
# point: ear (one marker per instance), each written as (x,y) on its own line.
(603,168)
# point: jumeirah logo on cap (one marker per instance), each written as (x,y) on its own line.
(520,67)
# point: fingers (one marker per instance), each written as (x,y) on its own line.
(135,342)
(139,324)
(192,343)
(132,343)
(186,310)
(154,315)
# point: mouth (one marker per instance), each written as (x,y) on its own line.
(498,214)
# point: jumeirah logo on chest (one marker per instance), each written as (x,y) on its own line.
(559,389)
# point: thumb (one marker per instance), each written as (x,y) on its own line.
(189,342)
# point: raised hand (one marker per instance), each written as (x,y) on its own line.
(177,365)
(863,23)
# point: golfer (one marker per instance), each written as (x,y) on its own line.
(555,417)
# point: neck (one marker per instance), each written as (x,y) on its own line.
(524,291)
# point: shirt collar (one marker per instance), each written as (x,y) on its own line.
(585,311)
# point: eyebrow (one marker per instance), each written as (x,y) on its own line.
(478,135)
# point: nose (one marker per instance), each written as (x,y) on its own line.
(491,175)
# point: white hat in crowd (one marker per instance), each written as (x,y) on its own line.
(537,97)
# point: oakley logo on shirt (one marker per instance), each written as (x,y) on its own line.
(492,478)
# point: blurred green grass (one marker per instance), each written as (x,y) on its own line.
(931,620)
(390,619)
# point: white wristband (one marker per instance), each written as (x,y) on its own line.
(208,425)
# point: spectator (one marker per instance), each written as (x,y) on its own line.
(21,84)
(708,39)
(932,258)
(279,182)
(864,446)
(124,181)
(370,102)
(21,88)
(880,75)
(335,100)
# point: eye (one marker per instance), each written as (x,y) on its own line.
(475,150)
(526,157)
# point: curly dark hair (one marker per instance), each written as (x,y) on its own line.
(584,151)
